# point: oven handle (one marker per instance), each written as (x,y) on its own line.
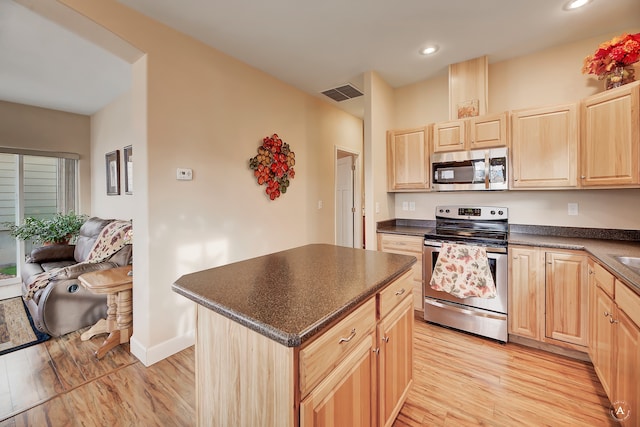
(489,249)
(464,311)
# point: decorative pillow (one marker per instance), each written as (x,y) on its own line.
(50,253)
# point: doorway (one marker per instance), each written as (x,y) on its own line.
(348,199)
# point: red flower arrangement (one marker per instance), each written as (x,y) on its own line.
(273,165)
(620,51)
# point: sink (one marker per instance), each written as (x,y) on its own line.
(631,262)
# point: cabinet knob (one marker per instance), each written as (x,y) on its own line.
(582,177)
(400,292)
(349,338)
(515,257)
(385,339)
(461,142)
(376,350)
(606,314)
(516,179)
(612,320)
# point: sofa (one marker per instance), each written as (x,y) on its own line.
(63,305)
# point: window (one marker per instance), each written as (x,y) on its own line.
(31,185)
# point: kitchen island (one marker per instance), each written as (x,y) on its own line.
(304,336)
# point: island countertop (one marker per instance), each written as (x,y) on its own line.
(292,295)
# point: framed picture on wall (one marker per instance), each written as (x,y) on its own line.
(128,169)
(113,173)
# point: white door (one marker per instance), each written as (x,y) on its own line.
(345,214)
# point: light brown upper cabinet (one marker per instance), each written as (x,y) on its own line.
(480,132)
(408,159)
(544,145)
(610,135)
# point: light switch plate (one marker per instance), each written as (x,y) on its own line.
(183,174)
(572,209)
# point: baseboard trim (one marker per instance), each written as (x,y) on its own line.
(158,352)
(551,348)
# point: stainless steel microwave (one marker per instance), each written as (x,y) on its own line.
(470,170)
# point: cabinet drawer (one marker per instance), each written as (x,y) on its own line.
(604,279)
(322,355)
(393,294)
(400,244)
(628,301)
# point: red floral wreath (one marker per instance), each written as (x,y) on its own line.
(273,166)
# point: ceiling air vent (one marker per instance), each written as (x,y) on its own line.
(343,93)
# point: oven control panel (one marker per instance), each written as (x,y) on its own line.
(472,212)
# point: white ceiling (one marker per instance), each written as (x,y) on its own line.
(46,65)
(313,46)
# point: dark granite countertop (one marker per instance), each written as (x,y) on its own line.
(292,295)
(617,243)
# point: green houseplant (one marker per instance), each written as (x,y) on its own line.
(59,229)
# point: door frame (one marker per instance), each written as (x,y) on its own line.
(357,194)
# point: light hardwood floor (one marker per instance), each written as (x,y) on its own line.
(460,380)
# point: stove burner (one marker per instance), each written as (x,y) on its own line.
(455,225)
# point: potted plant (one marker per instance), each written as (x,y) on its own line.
(59,229)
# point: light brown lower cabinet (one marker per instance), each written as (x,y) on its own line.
(369,385)
(407,245)
(602,344)
(614,342)
(566,298)
(356,373)
(526,292)
(627,374)
(395,373)
(548,296)
(347,395)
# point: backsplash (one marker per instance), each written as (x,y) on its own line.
(588,233)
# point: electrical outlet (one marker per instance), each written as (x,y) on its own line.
(319,204)
(412,206)
(183,174)
(405,206)
(377,207)
(572,209)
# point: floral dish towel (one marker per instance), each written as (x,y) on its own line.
(463,271)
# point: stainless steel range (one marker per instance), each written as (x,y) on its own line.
(485,226)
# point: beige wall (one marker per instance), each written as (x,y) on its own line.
(209,112)
(548,77)
(111,129)
(34,128)
(379,110)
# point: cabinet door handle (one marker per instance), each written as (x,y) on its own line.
(612,320)
(606,314)
(376,350)
(582,177)
(385,339)
(353,334)
(401,291)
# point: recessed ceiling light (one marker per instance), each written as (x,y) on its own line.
(429,50)
(575,4)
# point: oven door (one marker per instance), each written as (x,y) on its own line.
(498,265)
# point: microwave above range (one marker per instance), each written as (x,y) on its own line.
(470,170)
